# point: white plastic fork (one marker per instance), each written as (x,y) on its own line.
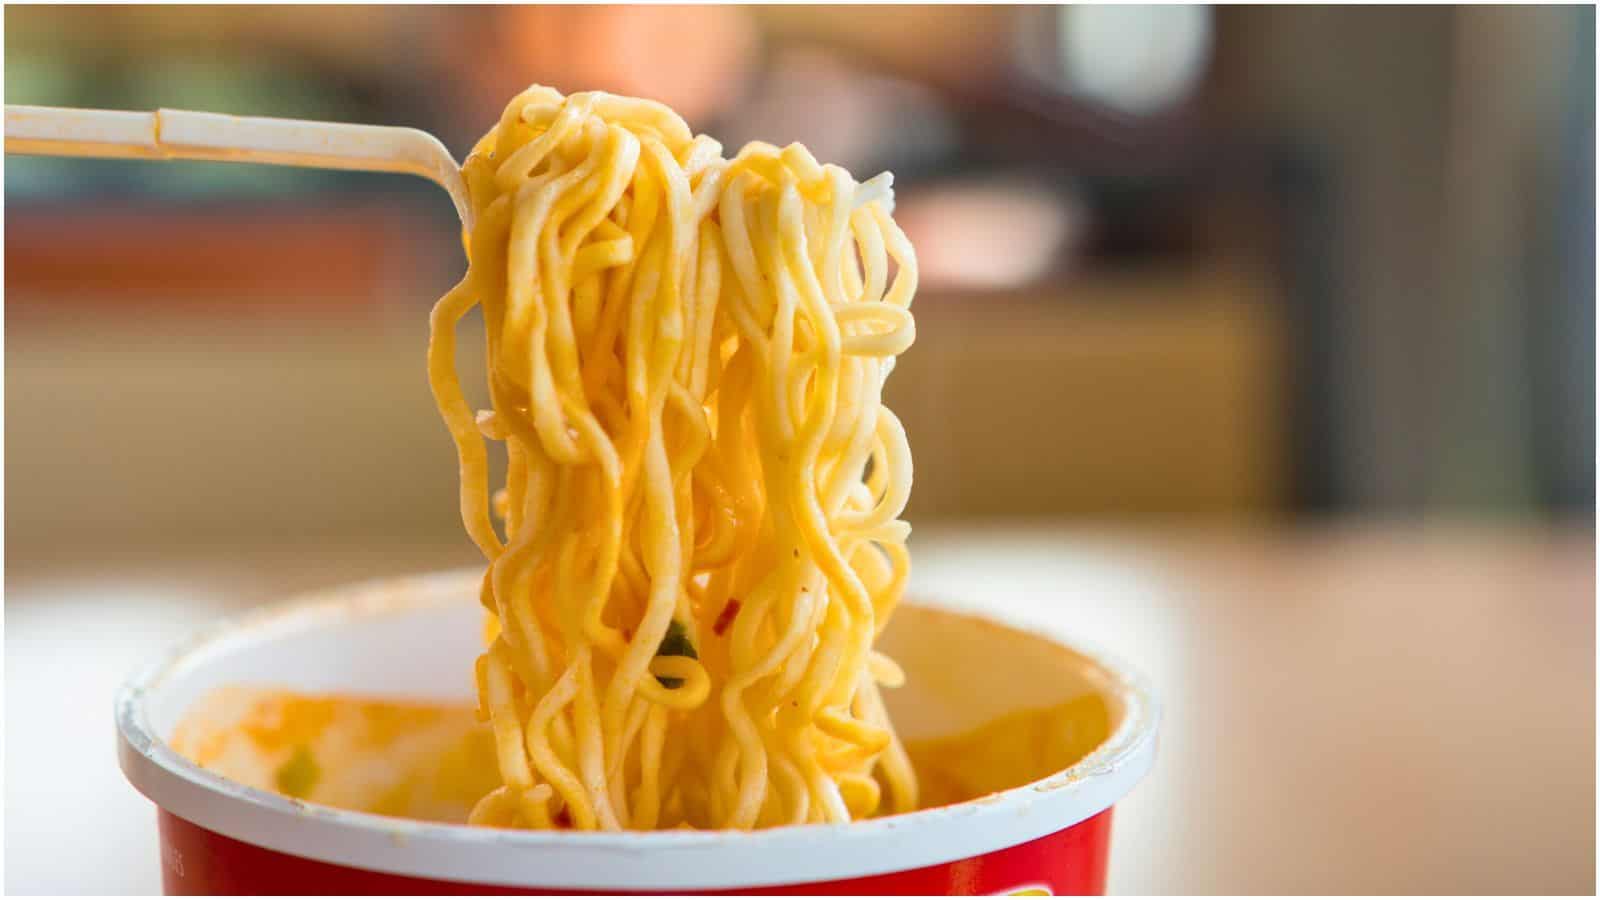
(180,134)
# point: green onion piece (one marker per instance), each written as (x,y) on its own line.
(299,775)
(675,643)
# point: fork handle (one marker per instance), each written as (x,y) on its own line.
(181,134)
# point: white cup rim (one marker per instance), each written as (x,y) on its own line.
(658,860)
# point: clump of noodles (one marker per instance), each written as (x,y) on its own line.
(702,494)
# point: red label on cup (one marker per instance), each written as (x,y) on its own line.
(200,861)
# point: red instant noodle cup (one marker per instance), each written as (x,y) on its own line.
(415,638)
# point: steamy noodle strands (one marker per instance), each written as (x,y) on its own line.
(700,534)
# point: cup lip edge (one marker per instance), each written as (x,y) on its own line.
(168,778)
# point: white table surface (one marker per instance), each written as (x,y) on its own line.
(1348,709)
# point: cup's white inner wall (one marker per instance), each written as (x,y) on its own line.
(418,647)
(419,642)
(962,673)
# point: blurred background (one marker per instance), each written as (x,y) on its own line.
(1259,340)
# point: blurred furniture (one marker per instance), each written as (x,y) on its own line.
(1155,390)
(1421,176)
(252,335)
(162,433)
(219,263)
(295,401)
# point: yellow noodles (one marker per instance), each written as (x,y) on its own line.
(702,491)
